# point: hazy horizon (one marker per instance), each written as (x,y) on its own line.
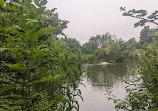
(91,17)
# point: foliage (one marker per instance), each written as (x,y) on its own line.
(142,15)
(73,44)
(143,91)
(110,49)
(147,35)
(37,72)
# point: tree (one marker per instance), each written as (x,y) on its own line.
(101,40)
(109,48)
(37,72)
(143,94)
(141,15)
(147,35)
(73,44)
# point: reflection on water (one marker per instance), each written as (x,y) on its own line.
(105,76)
(98,79)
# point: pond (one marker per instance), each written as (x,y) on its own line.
(99,80)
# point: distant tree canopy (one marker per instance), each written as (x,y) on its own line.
(147,35)
(96,42)
(108,48)
(73,44)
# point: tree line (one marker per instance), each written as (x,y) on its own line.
(109,48)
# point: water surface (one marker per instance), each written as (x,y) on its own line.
(100,79)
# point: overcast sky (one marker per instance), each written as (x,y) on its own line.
(91,17)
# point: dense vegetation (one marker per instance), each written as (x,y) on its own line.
(143,90)
(108,48)
(39,71)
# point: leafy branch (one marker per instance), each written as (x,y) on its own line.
(142,15)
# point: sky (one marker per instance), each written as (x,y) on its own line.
(88,18)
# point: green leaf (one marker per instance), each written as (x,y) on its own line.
(44,2)
(6,88)
(57,76)
(18,67)
(14,8)
(31,21)
(28,1)
(58,99)
(3,49)
(47,78)
(41,9)
(2,109)
(2,2)
(44,79)
(5,106)
(36,2)
(1,27)
(33,64)
(19,11)
(16,27)
(8,6)
(33,7)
